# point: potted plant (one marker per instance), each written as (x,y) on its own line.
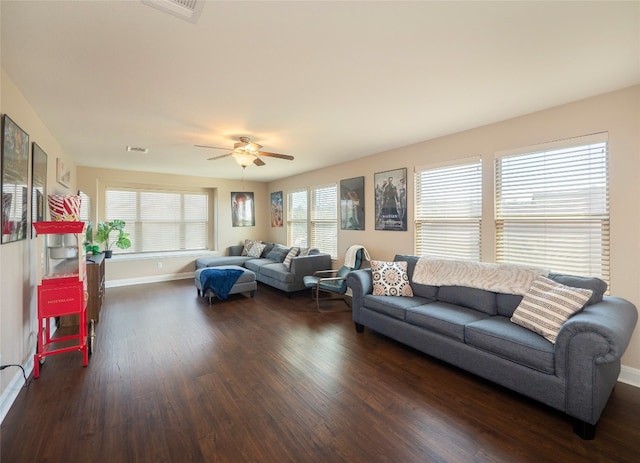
(121,240)
(88,240)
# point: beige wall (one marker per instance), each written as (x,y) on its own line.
(617,113)
(18,316)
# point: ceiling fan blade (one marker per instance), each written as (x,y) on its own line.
(219,157)
(211,147)
(258,162)
(276,155)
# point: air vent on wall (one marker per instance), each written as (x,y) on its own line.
(137,149)
(188,10)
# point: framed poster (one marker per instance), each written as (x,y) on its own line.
(242,209)
(391,200)
(15,178)
(352,204)
(38,184)
(276,209)
(63,173)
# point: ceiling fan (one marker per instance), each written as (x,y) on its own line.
(246,153)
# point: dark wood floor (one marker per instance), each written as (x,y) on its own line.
(268,380)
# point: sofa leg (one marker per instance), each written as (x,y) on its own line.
(586,431)
(359,328)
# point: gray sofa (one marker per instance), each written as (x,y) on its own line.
(269,267)
(471,329)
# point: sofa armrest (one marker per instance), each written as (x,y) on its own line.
(361,284)
(235,250)
(588,351)
(302,266)
(613,320)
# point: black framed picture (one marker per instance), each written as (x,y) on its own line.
(242,209)
(352,204)
(391,200)
(38,184)
(15,178)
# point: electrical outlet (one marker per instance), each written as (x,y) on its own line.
(159,264)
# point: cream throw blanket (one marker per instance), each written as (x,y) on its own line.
(350,255)
(499,278)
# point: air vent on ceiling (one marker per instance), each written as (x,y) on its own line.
(188,10)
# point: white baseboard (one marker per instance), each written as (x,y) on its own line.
(630,376)
(150,279)
(11,392)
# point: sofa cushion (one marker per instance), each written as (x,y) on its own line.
(222,260)
(547,305)
(598,286)
(248,244)
(499,336)
(277,271)
(256,264)
(277,253)
(289,257)
(443,318)
(507,303)
(390,279)
(392,306)
(474,298)
(256,250)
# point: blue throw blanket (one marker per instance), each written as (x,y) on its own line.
(219,280)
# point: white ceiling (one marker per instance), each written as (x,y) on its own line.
(322,81)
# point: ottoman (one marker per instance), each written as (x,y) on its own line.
(246,282)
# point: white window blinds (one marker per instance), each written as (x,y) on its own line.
(552,207)
(324,219)
(297,216)
(448,211)
(160,220)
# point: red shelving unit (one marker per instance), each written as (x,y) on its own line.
(62,288)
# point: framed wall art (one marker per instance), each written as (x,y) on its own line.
(63,173)
(38,184)
(391,199)
(15,178)
(352,204)
(242,209)
(276,209)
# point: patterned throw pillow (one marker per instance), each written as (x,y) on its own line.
(247,246)
(287,260)
(547,305)
(303,252)
(256,250)
(390,279)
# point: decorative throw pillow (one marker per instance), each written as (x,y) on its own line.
(277,253)
(256,250)
(390,279)
(303,252)
(287,260)
(247,246)
(547,305)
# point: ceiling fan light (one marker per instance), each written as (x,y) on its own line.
(243,158)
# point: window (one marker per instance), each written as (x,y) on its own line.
(85,207)
(552,207)
(160,220)
(449,210)
(297,218)
(324,219)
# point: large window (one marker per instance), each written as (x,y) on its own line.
(552,207)
(160,220)
(297,213)
(448,210)
(324,219)
(312,218)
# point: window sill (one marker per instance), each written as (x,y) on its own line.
(162,255)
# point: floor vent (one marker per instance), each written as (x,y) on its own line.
(188,10)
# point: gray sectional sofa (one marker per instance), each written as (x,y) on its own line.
(269,267)
(471,329)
